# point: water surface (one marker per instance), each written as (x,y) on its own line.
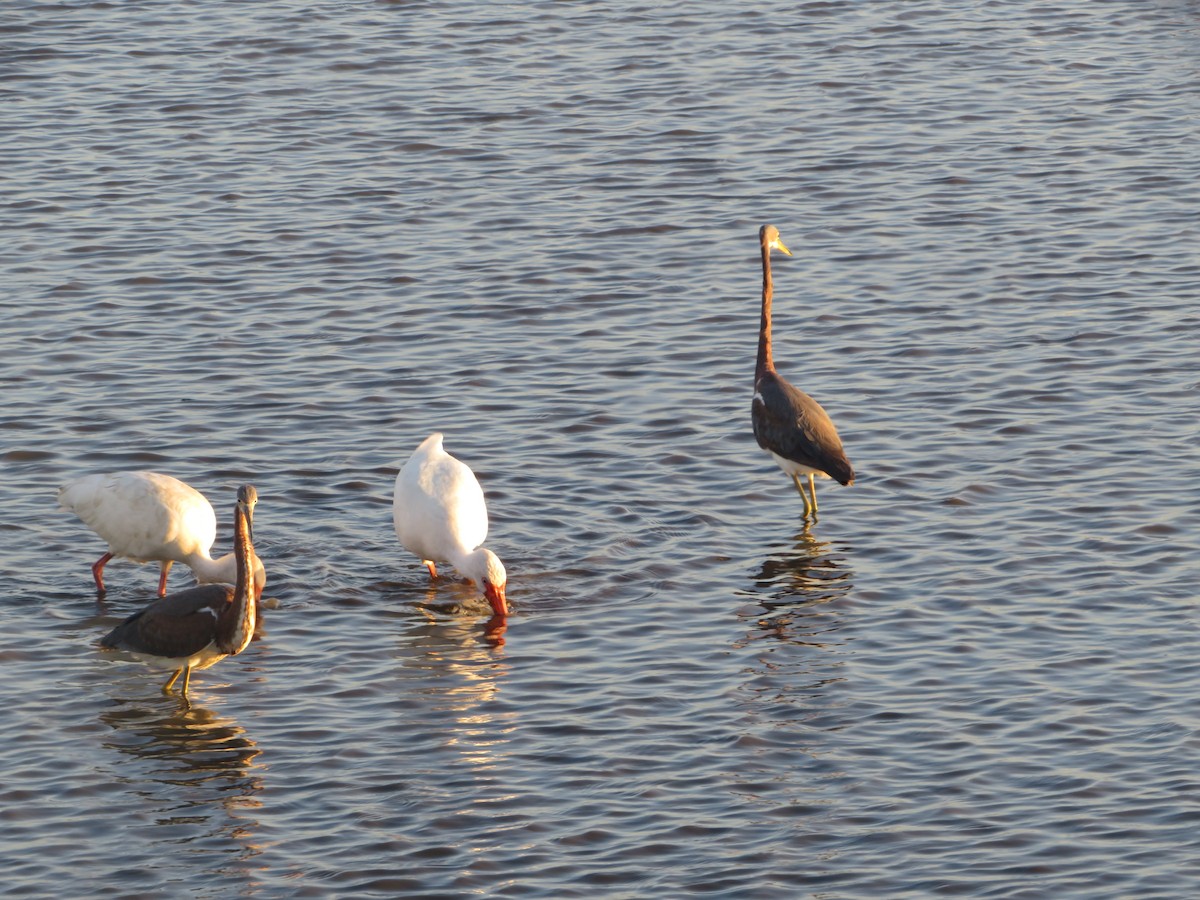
(282,243)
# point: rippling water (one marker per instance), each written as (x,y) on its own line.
(282,243)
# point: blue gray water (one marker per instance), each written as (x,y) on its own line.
(283,242)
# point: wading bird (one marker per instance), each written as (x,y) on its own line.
(789,424)
(440,514)
(145,516)
(195,628)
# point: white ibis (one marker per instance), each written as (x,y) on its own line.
(789,424)
(145,516)
(440,514)
(197,627)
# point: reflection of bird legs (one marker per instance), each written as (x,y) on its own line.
(431,595)
(810,508)
(432,568)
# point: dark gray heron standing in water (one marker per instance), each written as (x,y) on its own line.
(789,424)
(196,628)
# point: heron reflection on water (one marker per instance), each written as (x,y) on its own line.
(810,570)
(199,769)
(193,737)
(795,586)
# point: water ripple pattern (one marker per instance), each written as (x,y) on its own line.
(281,243)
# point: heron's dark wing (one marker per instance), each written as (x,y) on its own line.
(793,425)
(177,625)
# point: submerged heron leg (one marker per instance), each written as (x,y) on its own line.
(187,679)
(166,688)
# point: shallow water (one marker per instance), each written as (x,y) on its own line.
(280,243)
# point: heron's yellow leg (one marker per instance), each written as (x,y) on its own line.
(812,488)
(171,681)
(808,509)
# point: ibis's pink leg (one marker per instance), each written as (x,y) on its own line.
(432,568)
(98,571)
(162,578)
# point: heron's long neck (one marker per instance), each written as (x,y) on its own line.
(236,624)
(765,363)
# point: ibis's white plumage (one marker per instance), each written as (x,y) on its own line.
(440,514)
(148,517)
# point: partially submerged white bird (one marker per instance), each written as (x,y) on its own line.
(148,517)
(440,514)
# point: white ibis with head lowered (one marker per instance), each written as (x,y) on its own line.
(195,628)
(145,516)
(440,514)
(789,424)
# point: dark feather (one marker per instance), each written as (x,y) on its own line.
(178,625)
(793,425)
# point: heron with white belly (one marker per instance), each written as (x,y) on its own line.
(198,627)
(789,424)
